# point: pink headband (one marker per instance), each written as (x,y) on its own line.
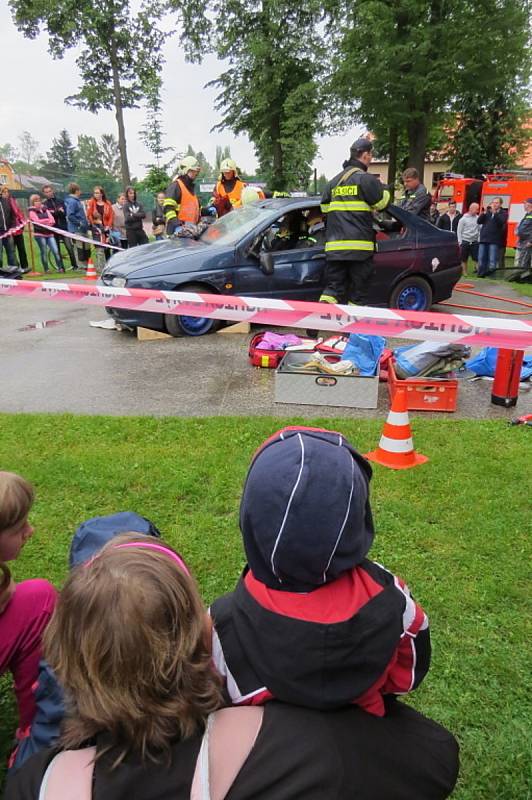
(161,548)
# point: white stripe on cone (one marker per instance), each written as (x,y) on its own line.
(398,418)
(396,445)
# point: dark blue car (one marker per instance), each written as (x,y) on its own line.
(416,264)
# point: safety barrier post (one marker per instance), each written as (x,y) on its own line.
(507,376)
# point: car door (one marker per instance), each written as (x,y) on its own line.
(298,273)
(395,255)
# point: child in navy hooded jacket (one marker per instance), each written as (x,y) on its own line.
(312,621)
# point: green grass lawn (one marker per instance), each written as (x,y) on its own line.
(457,529)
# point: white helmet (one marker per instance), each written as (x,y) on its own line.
(188,163)
(228,165)
(249,194)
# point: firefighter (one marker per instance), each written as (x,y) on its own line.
(348,202)
(181,204)
(415,199)
(228,191)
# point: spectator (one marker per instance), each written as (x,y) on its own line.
(468,233)
(158,218)
(76,218)
(7,223)
(18,238)
(449,221)
(524,238)
(26,607)
(100,205)
(415,199)
(57,207)
(434,213)
(99,234)
(494,222)
(300,483)
(134,214)
(120,223)
(44,238)
(129,642)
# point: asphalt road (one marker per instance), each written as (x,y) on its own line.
(69,366)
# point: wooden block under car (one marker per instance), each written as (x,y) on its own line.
(147,335)
(238,327)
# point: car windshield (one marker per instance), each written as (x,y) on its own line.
(231,227)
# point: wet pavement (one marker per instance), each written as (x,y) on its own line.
(68,366)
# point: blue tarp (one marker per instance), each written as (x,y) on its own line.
(364,352)
(484,363)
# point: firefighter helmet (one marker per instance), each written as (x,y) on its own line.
(188,163)
(228,165)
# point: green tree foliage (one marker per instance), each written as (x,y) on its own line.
(59,162)
(28,149)
(156,180)
(8,152)
(489,135)
(121,56)
(400,64)
(274,52)
(110,155)
(221,154)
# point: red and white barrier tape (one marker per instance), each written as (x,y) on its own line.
(465,329)
(77,236)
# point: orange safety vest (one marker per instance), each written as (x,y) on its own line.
(235,193)
(189,207)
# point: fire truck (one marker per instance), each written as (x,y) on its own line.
(512,186)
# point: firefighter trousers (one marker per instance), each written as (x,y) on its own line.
(348,281)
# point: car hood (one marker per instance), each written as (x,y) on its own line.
(169,255)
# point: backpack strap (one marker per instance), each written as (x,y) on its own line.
(227,742)
(348,174)
(69,776)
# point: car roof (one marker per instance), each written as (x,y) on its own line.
(282,203)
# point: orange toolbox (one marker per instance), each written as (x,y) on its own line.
(424,394)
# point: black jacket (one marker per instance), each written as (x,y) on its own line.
(134,214)
(298,754)
(446,224)
(57,207)
(7,217)
(417,201)
(493,230)
(348,201)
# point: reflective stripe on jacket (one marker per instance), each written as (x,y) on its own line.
(349,200)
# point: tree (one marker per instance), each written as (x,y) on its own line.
(274,51)
(128,47)
(8,152)
(28,149)
(400,65)
(59,161)
(156,180)
(489,135)
(221,154)
(88,157)
(110,155)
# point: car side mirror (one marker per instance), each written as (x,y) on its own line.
(266,263)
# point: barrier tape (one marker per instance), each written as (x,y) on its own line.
(425,326)
(78,237)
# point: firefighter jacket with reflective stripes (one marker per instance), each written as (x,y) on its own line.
(348,201)
(353,640)
(524,229)
(181,203)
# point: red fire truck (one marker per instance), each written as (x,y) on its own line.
(513,187)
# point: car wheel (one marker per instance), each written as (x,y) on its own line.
(191,326)
(412,294)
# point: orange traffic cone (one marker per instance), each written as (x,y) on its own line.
(91,274)
(396,448)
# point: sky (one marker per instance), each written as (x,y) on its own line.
(35,85)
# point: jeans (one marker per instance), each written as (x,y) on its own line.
(45,242)
(69,248)
(7,243)
(488,258)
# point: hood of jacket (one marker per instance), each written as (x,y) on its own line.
(305,515)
